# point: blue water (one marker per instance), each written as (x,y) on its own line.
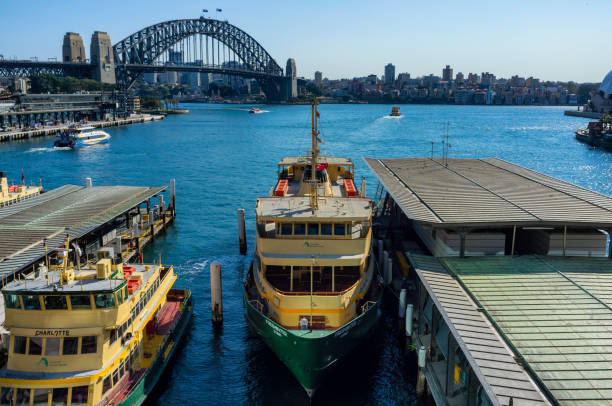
(224,158)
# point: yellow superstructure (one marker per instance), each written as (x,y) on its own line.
(312,263)
(16,193)
(78,337)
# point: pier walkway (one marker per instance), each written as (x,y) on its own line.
(512,274)
(52,130)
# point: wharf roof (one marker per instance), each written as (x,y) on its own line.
(332,160)
(555,313)
(72,210)
(487,192)
(492,361)
(298,208)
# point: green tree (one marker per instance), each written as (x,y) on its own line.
(606,118)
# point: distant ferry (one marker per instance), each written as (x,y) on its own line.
(81,137)
(255,110)
(395,111)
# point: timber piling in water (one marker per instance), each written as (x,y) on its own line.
(488,257)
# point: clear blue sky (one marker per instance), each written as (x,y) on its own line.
(547,39)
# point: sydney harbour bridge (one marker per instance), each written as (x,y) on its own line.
(189,45)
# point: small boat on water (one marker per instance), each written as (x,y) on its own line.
(395,111)
(100,333)
(597,134)
(255,110)
(313,290)
(81,137)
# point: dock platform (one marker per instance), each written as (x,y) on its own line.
(511,274)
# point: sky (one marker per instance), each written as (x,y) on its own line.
(547,39)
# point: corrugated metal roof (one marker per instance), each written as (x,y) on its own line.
(70,209)
(475,192)
(491,360)
(555,312)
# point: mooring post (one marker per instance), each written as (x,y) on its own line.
(215,292)
(402,303)
(242,232)
(173,197)
(408,326)
(420,385)
(386,267)
(88,182)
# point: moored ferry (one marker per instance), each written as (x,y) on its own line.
(100,334)
(313,291)
(81,137)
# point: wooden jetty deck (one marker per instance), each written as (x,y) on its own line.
(48,131)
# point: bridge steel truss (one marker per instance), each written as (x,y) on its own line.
(20,68)
(143,48)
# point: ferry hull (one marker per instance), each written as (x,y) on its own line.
(311,354)
(148,381)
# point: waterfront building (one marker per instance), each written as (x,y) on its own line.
(516,81)
(459,78)
(389,74)
(490,97)
(73,49)
(447,73)
(318,78)
(372,79)
(532,82)
(487,79)
(464,96)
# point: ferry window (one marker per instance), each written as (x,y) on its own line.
(125,292)
(339,229)
(348,229)
(115,376)
(79,395)
(326,229)
(23,396)
(121,369)
(80,302)
(277,228)
(113,336)
(71,345)
(299,229)
(31,302)
(105,301)
(286,228)
(19,345)
(89,345)
(35,346)
(12,301)
(106,384)
(6,396)
(313,229)
(41,397)
(59,396)
(52,346)
(55,302)
(119,297)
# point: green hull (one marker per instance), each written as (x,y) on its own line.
(147,382)
(311,354)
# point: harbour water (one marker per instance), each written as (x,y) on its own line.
(223,158)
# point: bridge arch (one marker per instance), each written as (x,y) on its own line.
(147,45)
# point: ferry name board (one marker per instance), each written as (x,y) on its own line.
(52,333)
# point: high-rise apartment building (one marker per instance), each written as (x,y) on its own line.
(389,74)
(318,78)
(447,73)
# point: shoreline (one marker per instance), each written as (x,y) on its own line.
(52,130)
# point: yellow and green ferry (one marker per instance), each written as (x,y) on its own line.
(313,291)
(98,334)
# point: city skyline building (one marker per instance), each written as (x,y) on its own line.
(447,73)
(318,78)
(389,74)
